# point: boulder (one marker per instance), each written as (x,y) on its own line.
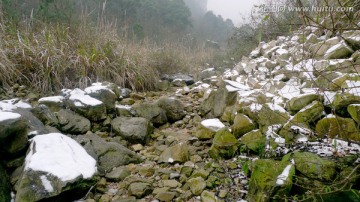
(338,127)
(207,196)
(343,100)
(55,167)
(338,51)
(254,140)
(272,114)
(109,155)
(151,112)
(242,125)
(5,186)
(54,103)
(104,93)
(352,38)
(270,180)
(45,115)
(70,122)
(174,109)
(178,153)
(132,129)
(118,174)
(354,111)
(208,128)
(312,166)
(87,106)
(188,79)
(13,133)
(299,102)
(224,145)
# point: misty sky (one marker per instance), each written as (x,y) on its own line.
(233,9)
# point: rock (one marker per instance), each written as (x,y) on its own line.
(340,50)
(165,196)
(104,93)
(45,115)
(127,101)
(54,103)
(125,93)
(310,113)
(207,196)
(354,111)
(197,185)
(188,80)
(242,125)
(70,122)
(139,189)
(174,109)
(162,85)
(320,49)
(224,145)
(338,127)
(178,83)
(109,155)
(13,133)
(299,102)
(312,166)
(215,104)
(132,129)
(174,154)
(87,106)
(207,73)
(125,110)
(151,112)
(208,128)
(272,114)
(352,38)
(254,140)
(118,174)
(341,101)
(127,199)
(54,165)
(5,186)
(170,183)
(270,180)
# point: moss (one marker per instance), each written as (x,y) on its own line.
(338,127)
(254,140)
(344,99)
(242,125)
(297,103)
(354,111)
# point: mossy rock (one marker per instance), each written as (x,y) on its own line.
(294,130)
(229,114)
(338,127)
(354,111)
(224,145)
(265,182)
(242,125)
(310,113)
(216,103)
(254,140)
(5,186)
(312,166)
(175,154)
(343,100)
(269,116)
(196,185)
(299,102)
(151,112)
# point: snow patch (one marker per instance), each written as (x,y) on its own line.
(80,99)
(8,116)
(56,99)
(213,124)
(46,183)
(284,175)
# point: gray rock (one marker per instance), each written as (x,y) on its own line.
(118,174)
(132,129)
(45,115)
(175,154)
(104,93)
(151,112)
(72,123)
(139,189)
(174,109)
(188,79)
(216,103)
(197,185)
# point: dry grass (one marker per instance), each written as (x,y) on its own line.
(48,58)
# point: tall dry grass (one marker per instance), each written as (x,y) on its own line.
(49,57)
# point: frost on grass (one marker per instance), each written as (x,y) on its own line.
(60,156)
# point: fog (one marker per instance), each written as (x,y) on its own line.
(232,9)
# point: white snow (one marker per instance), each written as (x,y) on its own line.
(8,116)
(80,99)
(330,116)
(56,99)
(127,107)
(213,124)
(9,105)
(46,183)
(354,87)
(96,87)
(170,160)
(275,107)
(237,85)
(255,107)
(61,156)
(329,97)
(284,175)
(289,91)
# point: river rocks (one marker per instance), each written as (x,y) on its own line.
(132,129)
(54,164)
(197,185)
(174,108)
(174,154)
(242,124)
(224,145)
(70,122)
(139,189)
(270,179)
(118,174)
(207,196)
